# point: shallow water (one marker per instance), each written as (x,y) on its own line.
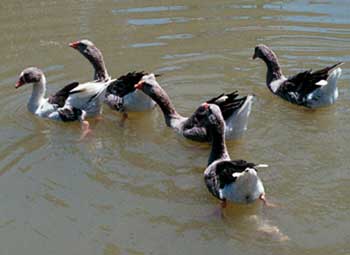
(139,189)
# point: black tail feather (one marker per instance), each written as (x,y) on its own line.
(228,105)
(61,96)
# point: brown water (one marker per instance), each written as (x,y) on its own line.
(139,189)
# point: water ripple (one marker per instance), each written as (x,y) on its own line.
(151,9)
(143,45)
(157,21)
(175,36)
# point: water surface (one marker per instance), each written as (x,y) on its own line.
(139,189)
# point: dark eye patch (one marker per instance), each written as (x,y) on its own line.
(27,77)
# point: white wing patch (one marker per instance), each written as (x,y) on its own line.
(236,175)
(221,99)
(262,166)
(277,83)
(322,83)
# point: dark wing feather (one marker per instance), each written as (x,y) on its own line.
(125,84)
(327,70)
(229,105)
(304,83)
(225,169)
(61,96)
(221,174)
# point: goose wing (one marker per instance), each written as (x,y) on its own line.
(217,175)
(60,97)
(226,169)
(86,93)
(228,103)
(125,84)
(306,82)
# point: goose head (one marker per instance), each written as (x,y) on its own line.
(94,55)
(148,84)
(210,116)
(83,46)
(28,76)
(260,51)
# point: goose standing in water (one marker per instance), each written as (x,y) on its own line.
(74,102)
(228,180)
(234,109)
(310,89)
(120,95)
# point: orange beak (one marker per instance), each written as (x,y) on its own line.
(19,84)
(74,44)
(139,85)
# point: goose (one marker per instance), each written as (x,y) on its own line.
(235,110)
(236,181)
(120,95)
(310,89)
(73,102)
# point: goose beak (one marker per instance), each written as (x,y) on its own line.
(19,83)
(254,56)
(74,44)
(139,85)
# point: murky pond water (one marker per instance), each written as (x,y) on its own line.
(138,189)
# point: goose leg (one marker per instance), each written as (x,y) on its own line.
(85,126)
(266,203)
(219,211)
(124,118)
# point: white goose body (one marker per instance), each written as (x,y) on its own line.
(327,94)
(38,104)
(137,101)
(45,110)
(74,102)
(246,189)
(237,123)
(89,97)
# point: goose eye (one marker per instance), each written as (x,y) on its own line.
(26,77)
(201,110)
